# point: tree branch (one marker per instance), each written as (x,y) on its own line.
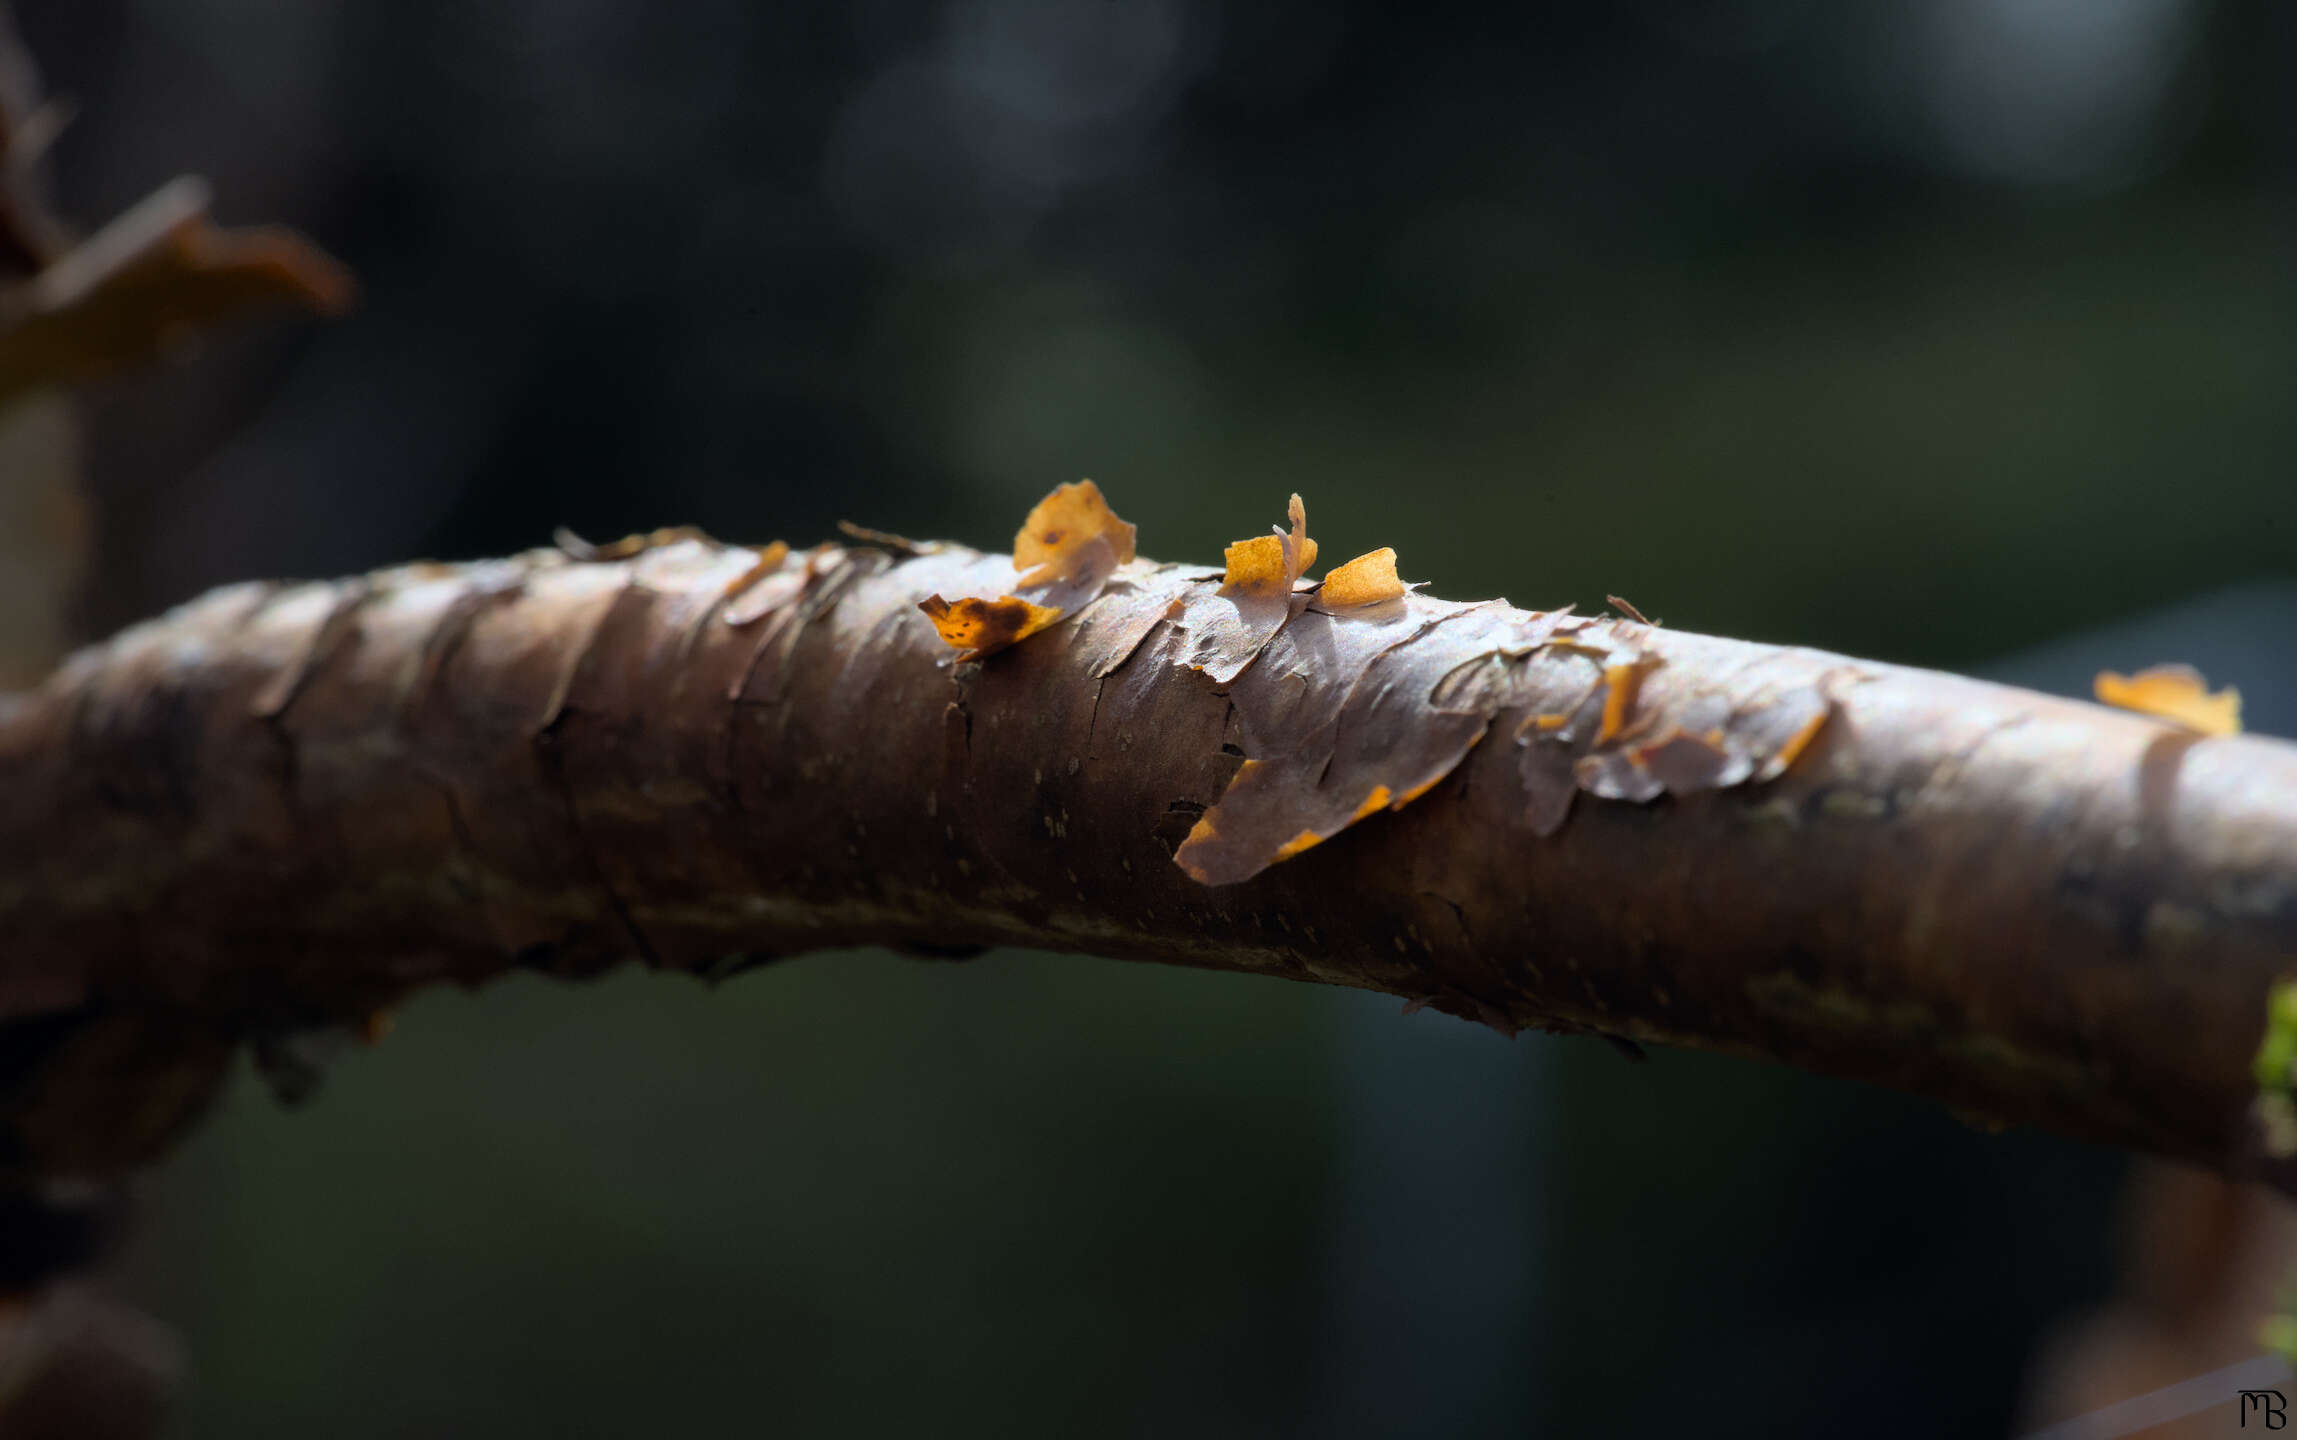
(284,807)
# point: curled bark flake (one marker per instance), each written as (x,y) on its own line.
(1619,603)
(984,627)
(1621,681)
(1116,624)
(1227,632)
(1067,551)
(544,664)
(1270,565)
(766,560)
(1071,535)
(785,601)
(1582,687)
(697,580)
(305,801)
(1369,579)
(1780,728)
(1337,723)
(1642,773)
(1534,673)
(768,585)
(1550,783)
(304,644)
(2175,693)
(886,540)
(1699,733)
(1227,628)
(628,547)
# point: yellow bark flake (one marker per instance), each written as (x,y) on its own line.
(1057,537)
(2175,693)
(1267,565)
(1065,553)
(1797,743)
(1618,699)
(770,558)
(1373,803)
(980,627)
(1305,840)
(1366,580)
(1418,790)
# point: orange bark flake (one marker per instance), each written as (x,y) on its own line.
(1268,565)
(1622,681)
(1227,628)
(983,627)
(1064,556)
(770,559)
(1366,580)
(1255,567)
(2175,693)
(1336,717)
(1360,696)
(1057,541)
(1305,840)
(1795,744)
(629,547)
(1378,801)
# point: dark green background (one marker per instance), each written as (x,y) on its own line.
(1925,331)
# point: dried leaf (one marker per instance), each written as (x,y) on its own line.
(2175,693)
(982,627)
(1366,580)
(149,281)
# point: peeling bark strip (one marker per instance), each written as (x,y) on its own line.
(284,806)
(1358,706)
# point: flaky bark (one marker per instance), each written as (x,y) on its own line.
(284,807)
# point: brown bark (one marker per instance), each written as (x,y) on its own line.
(285,806)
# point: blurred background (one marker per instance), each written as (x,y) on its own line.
(1945,332)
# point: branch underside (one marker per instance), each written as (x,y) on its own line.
(284,807)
